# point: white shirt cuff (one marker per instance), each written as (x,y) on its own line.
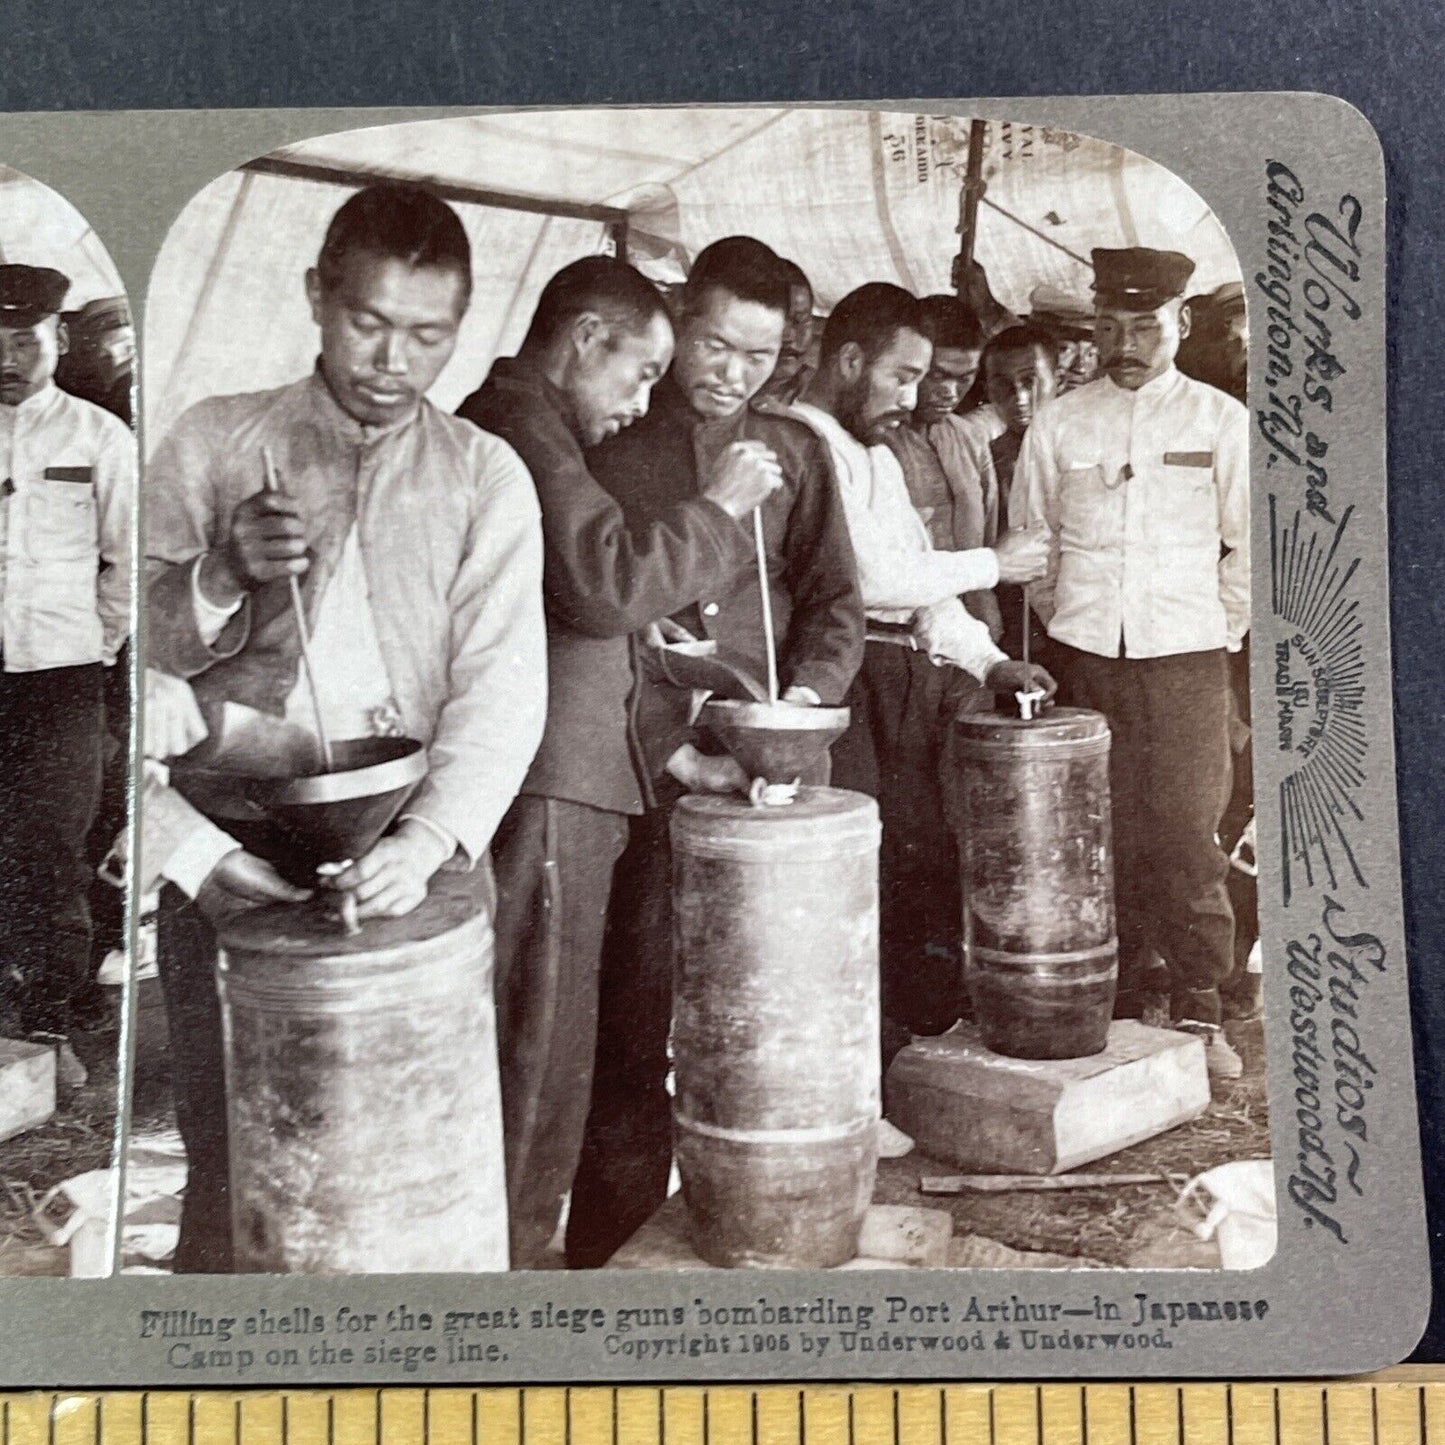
(988,565)
(984,663)
(949,634)
(211,619)
(195,857)
(444,834)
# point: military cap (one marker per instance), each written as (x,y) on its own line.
(1136,278)
(30,293)
(105,313)
(1229,298)
(1061,312)
(1054,301)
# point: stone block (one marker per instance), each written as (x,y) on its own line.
(988,1114)
(903,1234)
(27,1086)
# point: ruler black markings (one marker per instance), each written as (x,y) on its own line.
(1400,1408)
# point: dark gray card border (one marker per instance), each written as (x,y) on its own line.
(1332,1308)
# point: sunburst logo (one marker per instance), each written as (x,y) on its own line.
(1318,694)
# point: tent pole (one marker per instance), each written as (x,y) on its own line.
(617,233)
(974,186)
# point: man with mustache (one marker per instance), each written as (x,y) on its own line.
(418,546)
(1140,480)
(733,313)
(599,341)
(66,497)
(875,351)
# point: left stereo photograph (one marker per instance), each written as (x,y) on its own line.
(68,464)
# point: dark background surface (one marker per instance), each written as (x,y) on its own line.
(1384,58)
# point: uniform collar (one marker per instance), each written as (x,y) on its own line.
(36,405)
(523,372)
(1151,390)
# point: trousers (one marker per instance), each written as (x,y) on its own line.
(1170,776)
(186,960)
(51,727)
(893,751)
(626,1155)
(554,863)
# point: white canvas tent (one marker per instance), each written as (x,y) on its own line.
(39,227)
(853,196)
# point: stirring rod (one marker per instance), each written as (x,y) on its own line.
(767,605)
(272,485)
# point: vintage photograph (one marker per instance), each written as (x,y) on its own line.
(696,706)
(68,461)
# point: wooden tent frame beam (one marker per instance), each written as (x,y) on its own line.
(614,218)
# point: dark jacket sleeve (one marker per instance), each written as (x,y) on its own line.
(606,575)
(662,715)
(825,635)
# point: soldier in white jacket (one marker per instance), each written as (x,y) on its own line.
(1141,481)
(67,488)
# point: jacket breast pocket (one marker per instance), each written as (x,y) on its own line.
(60,521)
(1185,507)
(1086,507)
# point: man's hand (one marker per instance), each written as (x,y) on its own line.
(1022,556)
(984,606)
(1011,676)
(699,773)
(267,540)
(801,696)
(979,294)
(392,879)
(745,475)
(173,721)
(241,879)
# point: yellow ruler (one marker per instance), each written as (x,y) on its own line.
(1399,1407)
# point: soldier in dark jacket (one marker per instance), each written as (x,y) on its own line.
(733,311)
(598,342)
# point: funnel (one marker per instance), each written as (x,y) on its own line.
(299,823)
(775,741)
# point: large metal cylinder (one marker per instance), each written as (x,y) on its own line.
(362,1090)
(775,1025)
(1031,807)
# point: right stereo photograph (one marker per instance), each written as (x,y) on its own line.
(697,706)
